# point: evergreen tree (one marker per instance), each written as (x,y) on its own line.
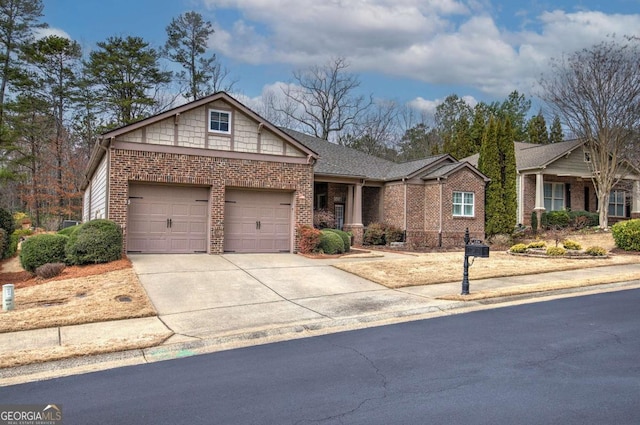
(557,135)
(497,161)
(508,175)
(537,130)
(127,75)
(186,45)
(448,116)
(18,19)
(418,142)
(55,62)
(480,114)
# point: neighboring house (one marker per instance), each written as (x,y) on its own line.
(213,176)
(557,176)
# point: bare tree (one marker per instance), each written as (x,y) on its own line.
(323,100)
(596,92)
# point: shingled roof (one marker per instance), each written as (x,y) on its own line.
(347,162)
(530,156)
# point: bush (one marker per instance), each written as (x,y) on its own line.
(626,234)
(556,251)
(374,235)
(49,270)
(5,243)
(580,219)
(42,249)
(346,238)
(6,221)
(96,241)
(596,251)
(558,219)
(569,244)
(393,234)
(67,231)
(309,239)
(330,242)
(537,244)
(518,248)
(324,219)
(15,239)
(534,222)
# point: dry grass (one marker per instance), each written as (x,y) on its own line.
(433,268)
(78,300)
(25,357)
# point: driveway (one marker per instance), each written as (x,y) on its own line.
(203,296)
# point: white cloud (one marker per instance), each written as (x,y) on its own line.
(452,42)
(45,32)
(428,107)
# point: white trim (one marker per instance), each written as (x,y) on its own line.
(463,204)
(229,121)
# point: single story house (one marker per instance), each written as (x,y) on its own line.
(212,176)
(558,176)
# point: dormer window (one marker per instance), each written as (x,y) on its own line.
(219,121)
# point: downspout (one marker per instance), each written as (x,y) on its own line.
(405,204)
(106,183)
(440,215)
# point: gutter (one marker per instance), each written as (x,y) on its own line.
(99,150)
(440,215)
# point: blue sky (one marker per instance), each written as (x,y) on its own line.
(415,52)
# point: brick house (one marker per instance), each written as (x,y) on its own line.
(557,176)
(213,176)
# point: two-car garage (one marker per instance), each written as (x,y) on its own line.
(176,219)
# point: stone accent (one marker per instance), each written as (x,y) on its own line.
(217,173)
(357,231)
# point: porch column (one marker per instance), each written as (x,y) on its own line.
(357,205)
(539,208)
(635,200)
(348,208)
(539,192)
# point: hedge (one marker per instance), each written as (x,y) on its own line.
(42,249)
(96,241)
(626,234)
(330,242)
(346,238)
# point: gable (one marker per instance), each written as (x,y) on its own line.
(190,129)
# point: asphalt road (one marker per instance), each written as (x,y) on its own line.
(569,361)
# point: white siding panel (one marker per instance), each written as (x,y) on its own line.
(99,191)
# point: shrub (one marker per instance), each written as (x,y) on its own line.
(330,242)
(559,219)
(49,270)
(393,234)
(15,239)
(556,251)
(309,239)
(534,222)
(324,219)
(596,251)
(518,248)
(42,249)
(68,230)
(5,243)
(374,235)
(6,221)
(544,220)
(570,244)
(96,241)
(346,238)
(537,244)
(626,234)
(580,219)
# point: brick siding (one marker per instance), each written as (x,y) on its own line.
(217,173)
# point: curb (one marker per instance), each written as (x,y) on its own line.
(260,336)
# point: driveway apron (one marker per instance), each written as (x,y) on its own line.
(203,296)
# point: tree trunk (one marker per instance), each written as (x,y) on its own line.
(603,204)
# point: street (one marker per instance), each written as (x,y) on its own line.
(568,361)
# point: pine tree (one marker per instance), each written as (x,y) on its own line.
(557,134)
(537,130)
(497,161)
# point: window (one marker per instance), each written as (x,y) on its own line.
(219,121)
(554,196)
(587,157)
(463,204)
(617,203)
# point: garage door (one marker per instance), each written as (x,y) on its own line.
(167,219)
(256,221)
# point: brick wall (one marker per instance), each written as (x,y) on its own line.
(394,205)
(217,173)
(371,198)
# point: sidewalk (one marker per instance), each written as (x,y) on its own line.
(250,300)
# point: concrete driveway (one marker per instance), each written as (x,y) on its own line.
(203,296)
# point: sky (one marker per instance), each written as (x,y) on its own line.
(415,52)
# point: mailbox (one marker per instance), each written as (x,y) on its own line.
(476,250)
